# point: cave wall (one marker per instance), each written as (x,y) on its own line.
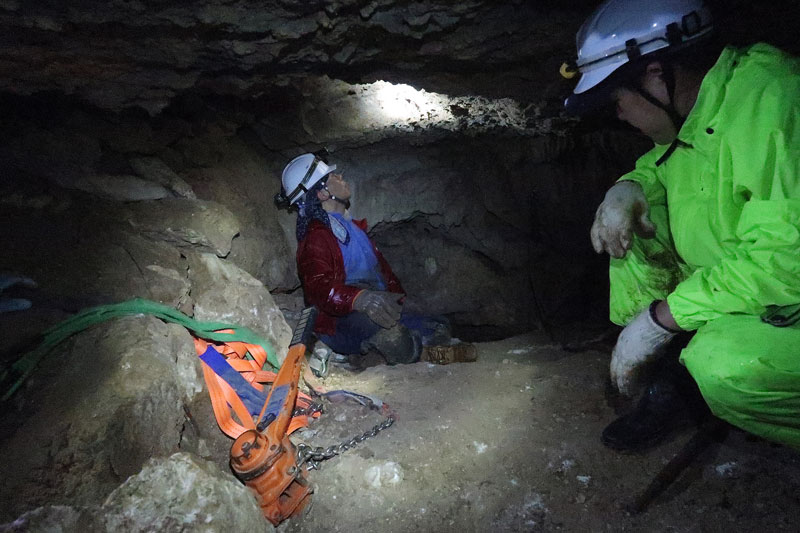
(141,143)
(123,119)
(479,227)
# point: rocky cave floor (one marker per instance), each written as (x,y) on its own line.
(511,443)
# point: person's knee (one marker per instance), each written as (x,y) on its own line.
(713,384)
(397,344)
(748,374)
(729,385)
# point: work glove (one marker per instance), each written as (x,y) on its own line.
(381,307)
(624,211)
(640,342)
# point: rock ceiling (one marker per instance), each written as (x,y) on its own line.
(142,53)
(117,54)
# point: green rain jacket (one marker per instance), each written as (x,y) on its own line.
(733,194)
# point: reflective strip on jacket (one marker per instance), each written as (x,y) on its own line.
(734,193)
(320,267)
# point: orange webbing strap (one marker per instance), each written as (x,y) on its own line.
(224,398)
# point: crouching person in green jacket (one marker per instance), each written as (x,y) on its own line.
(704,234)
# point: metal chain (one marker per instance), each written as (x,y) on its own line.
(314,455)
(313,407)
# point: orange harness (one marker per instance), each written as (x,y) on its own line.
(264,458)
(224,399)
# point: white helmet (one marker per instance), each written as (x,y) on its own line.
(301,174)
(620,31)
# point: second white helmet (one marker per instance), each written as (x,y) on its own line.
(620,31)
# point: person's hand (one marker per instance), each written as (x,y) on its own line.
(640,342)
(623,212)
(381,307)
(14,304)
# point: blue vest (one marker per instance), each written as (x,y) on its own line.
(360,264)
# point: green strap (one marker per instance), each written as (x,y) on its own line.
(53,336)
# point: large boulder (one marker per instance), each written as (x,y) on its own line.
(244,181)
(80,254)
(224,292)
(121,188)
(173,494)
(99,407)
(156,170)
(185,223)
(183,493)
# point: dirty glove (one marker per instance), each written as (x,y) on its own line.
(640,342)
(624,211)
(381,307)
(14,304)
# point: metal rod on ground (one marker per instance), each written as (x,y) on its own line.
(711,431)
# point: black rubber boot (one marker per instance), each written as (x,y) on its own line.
(670,403)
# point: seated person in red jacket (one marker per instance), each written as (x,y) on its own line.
(359,298)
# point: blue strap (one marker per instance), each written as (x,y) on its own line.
(279,395)
(252,398)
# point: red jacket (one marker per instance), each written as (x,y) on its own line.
(321,269)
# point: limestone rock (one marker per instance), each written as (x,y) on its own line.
(449,278)
(186,223)
(120,188)
(171,494)
(225,293)
(125,267)
(244,181)
(335,111)
(154,169)
(105,402)
(57,519)
(160,51)
(183,493)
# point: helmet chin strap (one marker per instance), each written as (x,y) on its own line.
(345,203)
(677,120)
(668,75)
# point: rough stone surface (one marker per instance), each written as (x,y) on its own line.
(121,188)
(225,293)
(84,256)
(333,111)
(243,181)
(101,406)
(451,279)
(55,151)
(172,494)
(56,519)
(183,493)
(154,169)
(132,266)
(135,54)
(517,447)
(185,223)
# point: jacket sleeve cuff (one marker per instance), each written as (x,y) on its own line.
(689,315)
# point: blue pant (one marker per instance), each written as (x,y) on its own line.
(353,329)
